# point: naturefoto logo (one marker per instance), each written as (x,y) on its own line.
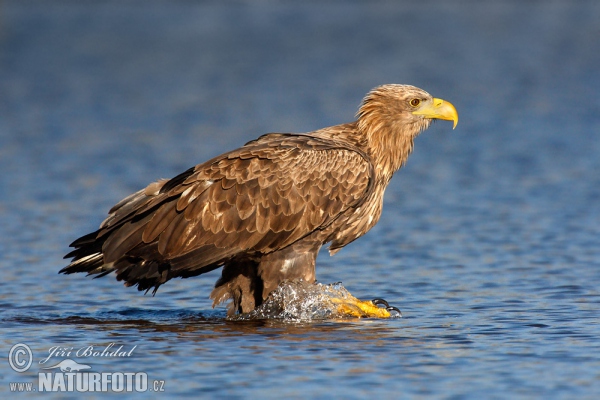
(69,366)
(69,375)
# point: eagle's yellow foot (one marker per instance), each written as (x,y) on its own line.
(376,308)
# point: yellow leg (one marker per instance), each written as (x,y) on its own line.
(354,307)
(301,300)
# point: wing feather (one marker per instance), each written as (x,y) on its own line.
(257,199)
(159,221)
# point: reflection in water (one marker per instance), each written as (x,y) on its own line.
(214,325)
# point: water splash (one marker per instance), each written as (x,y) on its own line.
(302,301)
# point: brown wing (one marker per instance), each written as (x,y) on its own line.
(254,200)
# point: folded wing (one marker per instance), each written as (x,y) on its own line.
(252,201)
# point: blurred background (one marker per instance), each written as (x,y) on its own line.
(489,241)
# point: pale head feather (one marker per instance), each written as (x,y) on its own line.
(385,118)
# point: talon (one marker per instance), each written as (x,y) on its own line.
(379,302)
(394,312)
(349,305)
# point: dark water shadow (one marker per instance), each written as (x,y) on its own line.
(207,324)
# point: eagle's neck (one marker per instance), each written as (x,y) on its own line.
(389,151)
(390,140)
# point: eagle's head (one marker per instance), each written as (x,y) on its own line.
(391,116)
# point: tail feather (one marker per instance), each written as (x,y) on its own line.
(119,244)
(84,240)
(92,264)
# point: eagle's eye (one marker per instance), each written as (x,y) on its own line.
(415,102)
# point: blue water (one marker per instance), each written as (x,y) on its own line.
(490,238)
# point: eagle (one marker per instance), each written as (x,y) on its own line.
(263,211)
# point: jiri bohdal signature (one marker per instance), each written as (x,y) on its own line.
(109,351)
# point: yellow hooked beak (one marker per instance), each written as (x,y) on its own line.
(440,109)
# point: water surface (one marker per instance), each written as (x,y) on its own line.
(489,241)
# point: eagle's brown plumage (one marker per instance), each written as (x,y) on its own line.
(262,211)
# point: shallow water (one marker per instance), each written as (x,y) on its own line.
(490,237)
